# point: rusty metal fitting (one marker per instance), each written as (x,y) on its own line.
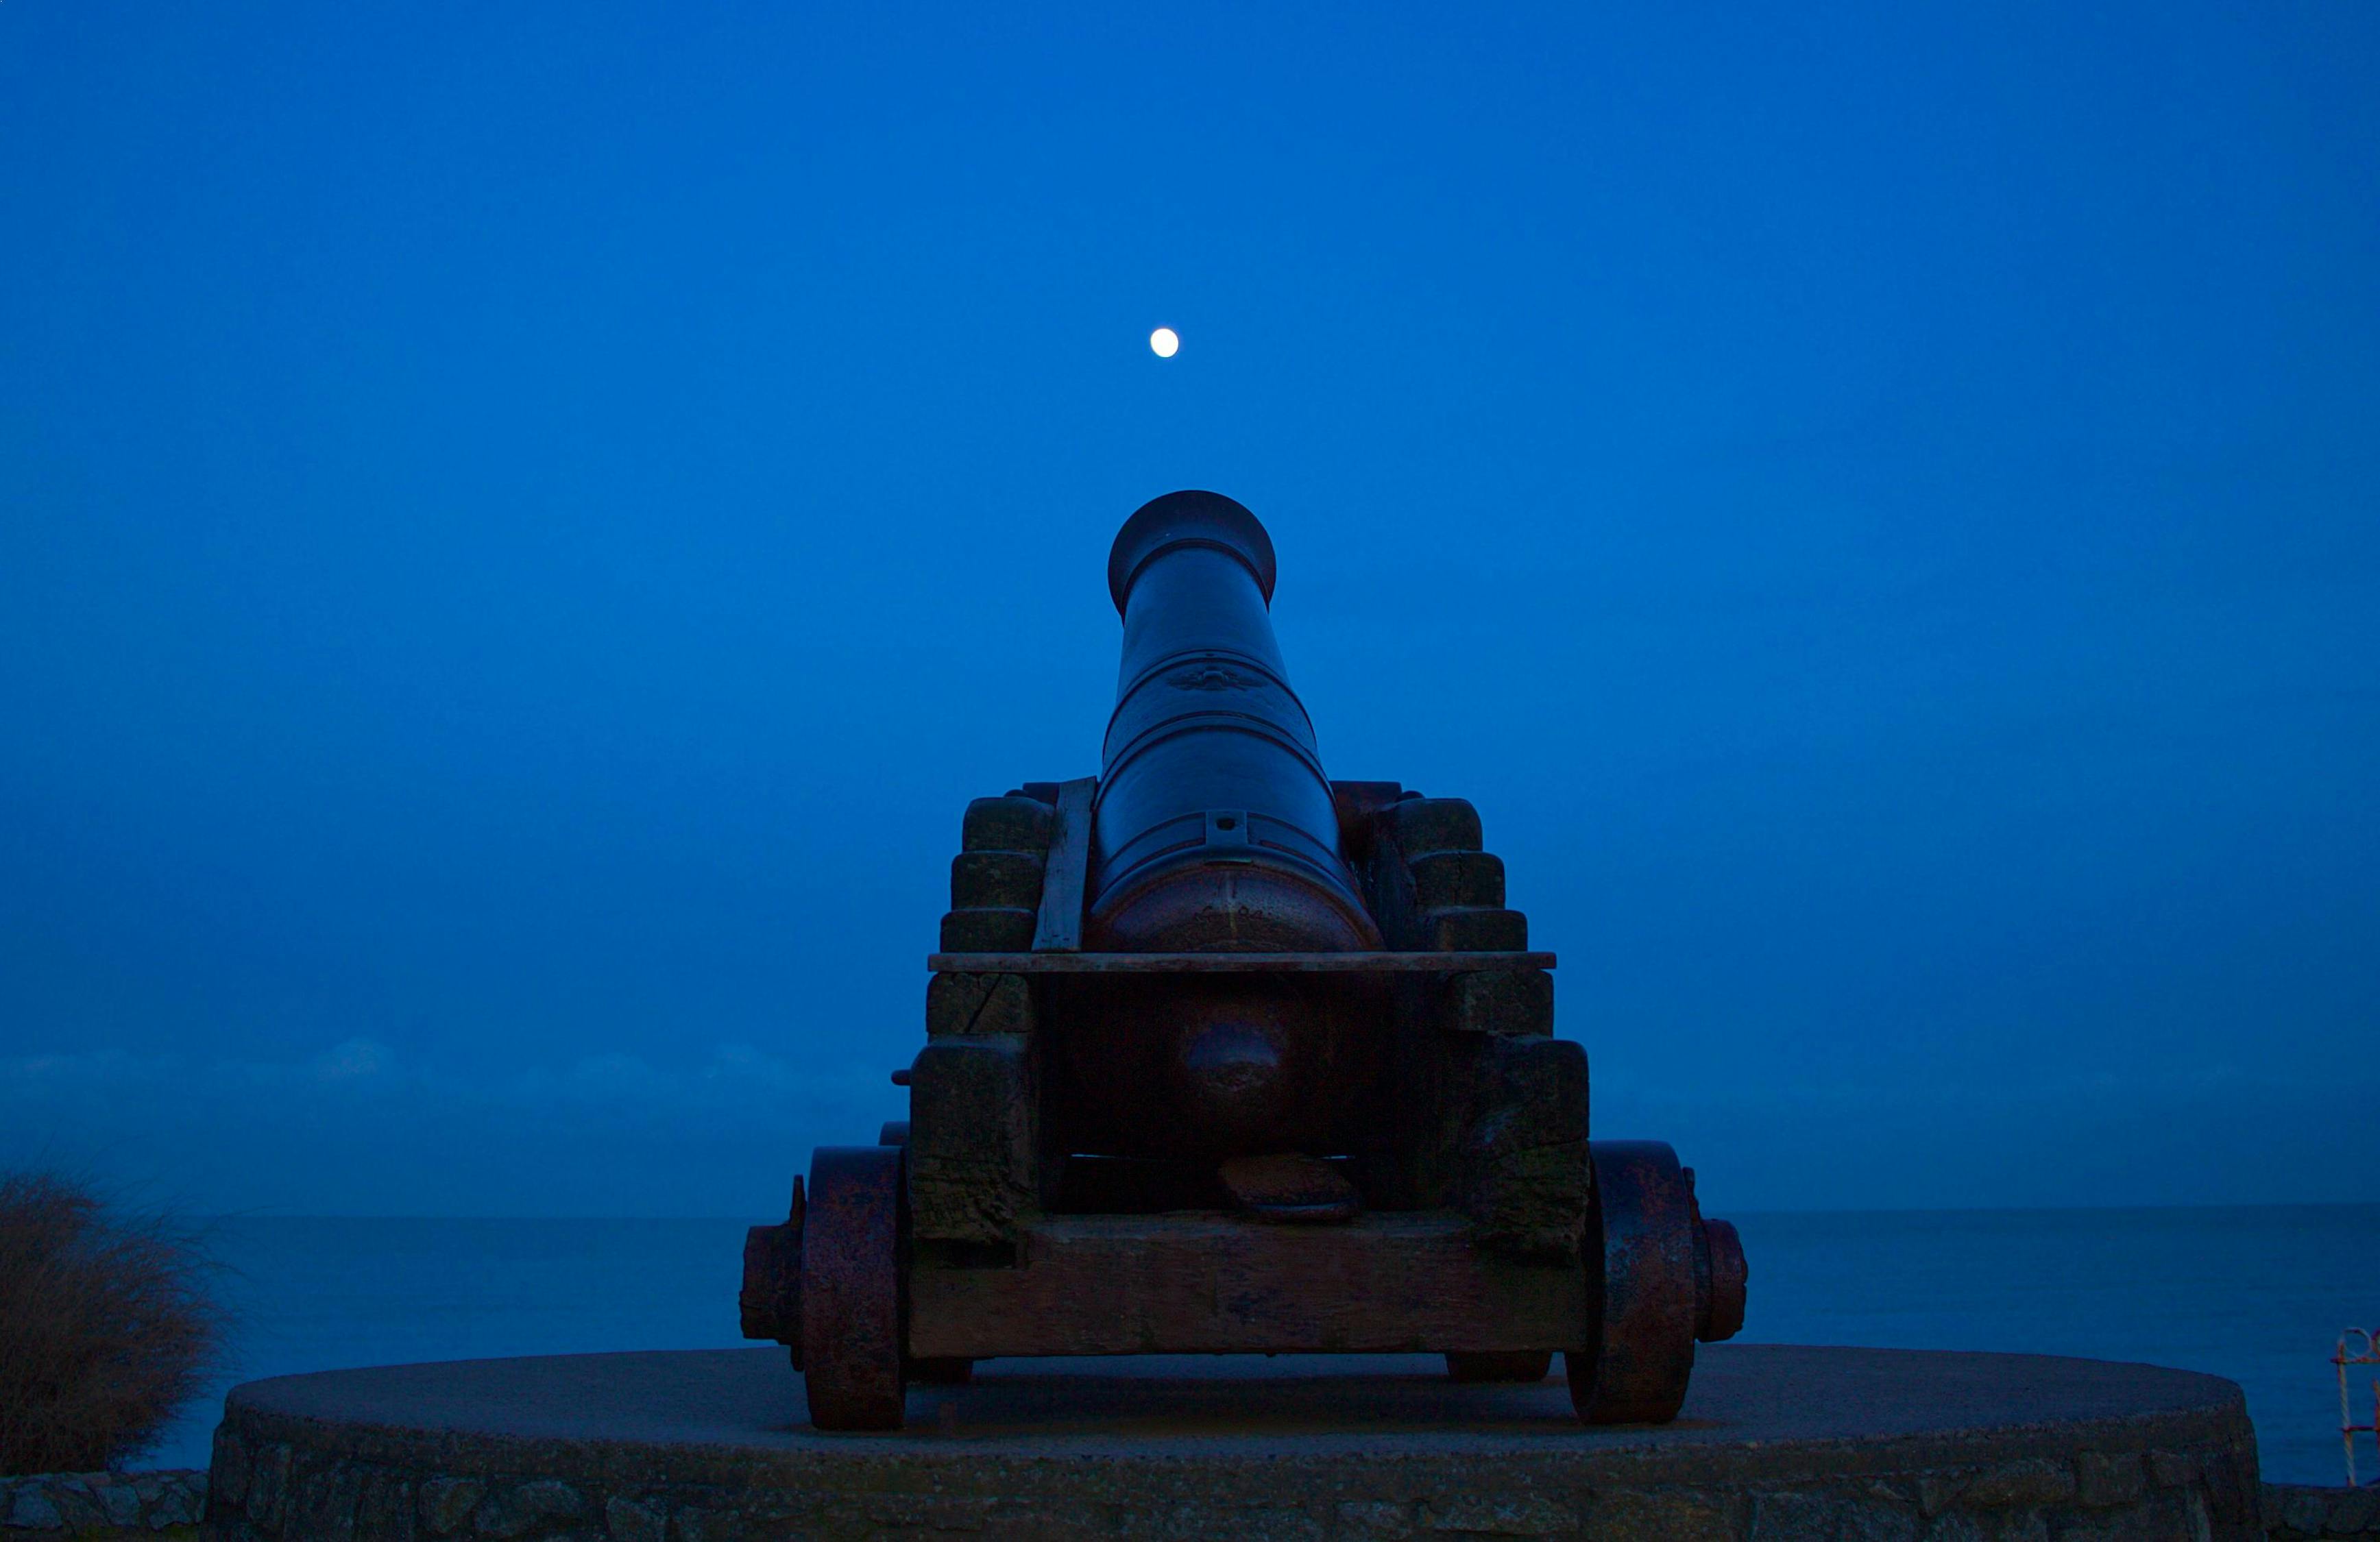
(771,1301)
(1720,1273)
(1720,1280)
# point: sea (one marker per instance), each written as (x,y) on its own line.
(2259,1295)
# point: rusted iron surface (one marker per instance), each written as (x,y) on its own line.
(1373,963)
(850,1288)
(1721,1309)
(1291,1186)
(770,1302)
(1644,1350)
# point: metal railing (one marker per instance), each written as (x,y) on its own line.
(2348,1429)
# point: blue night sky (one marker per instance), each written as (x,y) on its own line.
(521,528)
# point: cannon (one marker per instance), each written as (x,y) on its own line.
(1223,1056)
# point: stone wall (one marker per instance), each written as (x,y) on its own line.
(79,1503)
(463,1507)
(1790,1444)
(86,1503)
(282,1490)
(126,1503)
(107,1502)
(2303,1512)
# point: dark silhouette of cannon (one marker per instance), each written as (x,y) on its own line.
(1223,1056)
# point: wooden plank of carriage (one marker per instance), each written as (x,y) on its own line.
(1215,1282)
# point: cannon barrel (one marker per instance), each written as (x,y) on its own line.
(1214,826)
(1214,830)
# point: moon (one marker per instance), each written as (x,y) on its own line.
(1164,342)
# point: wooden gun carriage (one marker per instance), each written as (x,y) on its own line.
(1226,1056)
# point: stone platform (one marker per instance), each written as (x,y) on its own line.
(1776,1443)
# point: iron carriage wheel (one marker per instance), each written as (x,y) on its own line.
(1641,1351)
(852,1295)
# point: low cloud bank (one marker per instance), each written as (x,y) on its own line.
(361,1126)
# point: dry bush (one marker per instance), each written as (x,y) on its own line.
(107,1327)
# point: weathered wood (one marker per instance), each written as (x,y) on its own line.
(1437,897)
(1234,963)
(986,931)
(1525,1174)
(960,1005)
(1436,1082)
(972,1142)
(1426,824)
(1457,878)
(1011,823)
(1359,806)
(1484,929)
(1209,1283)
(996,880)
(1515,1002)
(1063,884)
